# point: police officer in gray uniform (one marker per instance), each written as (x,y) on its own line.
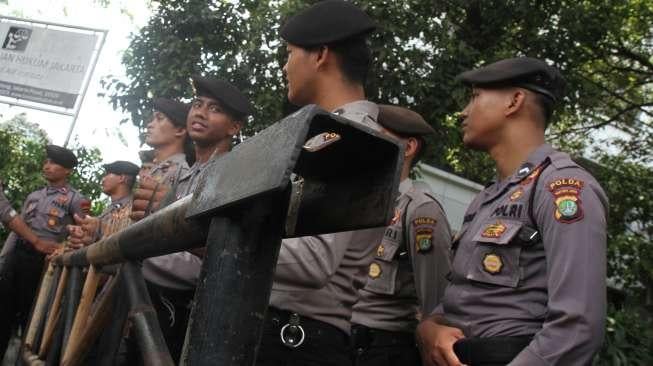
(317,278)
(14,222)
(529,269)
(47,212)
(407,276)
(217,114)
(167,134)
(117,183)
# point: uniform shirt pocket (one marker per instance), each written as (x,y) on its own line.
(495,258)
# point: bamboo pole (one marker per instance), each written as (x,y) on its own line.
(55,313)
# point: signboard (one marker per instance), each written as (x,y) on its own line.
(42,64)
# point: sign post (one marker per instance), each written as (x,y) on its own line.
(47,66)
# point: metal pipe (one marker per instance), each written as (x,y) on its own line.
(145,322)
(72,299)
(166,231)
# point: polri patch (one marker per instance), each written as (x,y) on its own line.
(492,263)
(494,230)
(566,197)
(424,240)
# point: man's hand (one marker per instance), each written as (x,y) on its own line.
(147,197)
(84,233)
(436,343)
(46,246)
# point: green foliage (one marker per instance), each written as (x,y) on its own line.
(22,152)
(628,339)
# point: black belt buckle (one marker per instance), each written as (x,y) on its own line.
(292,334)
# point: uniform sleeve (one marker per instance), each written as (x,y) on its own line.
(7,213)
(178,271)
(310,261)
(429,239)
(570,210)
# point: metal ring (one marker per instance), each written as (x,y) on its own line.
(283,329)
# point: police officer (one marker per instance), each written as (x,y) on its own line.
(47,212)
(14,222)
(167,134)
(217,114)
(117,183)
(407,275)
(529,269)
(317,278)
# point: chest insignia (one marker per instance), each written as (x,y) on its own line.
(375,270)
(396,216)
(52,222)
(516,194)
(380,250)
(494,230)
(492,263)
(531,177)
(53,212)
(321,141)
(424,240)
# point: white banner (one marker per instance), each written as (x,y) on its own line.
(44,65)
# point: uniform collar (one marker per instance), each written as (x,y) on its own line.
(405,186)
(63,190)
(534,159)
(362,111)
(121,201)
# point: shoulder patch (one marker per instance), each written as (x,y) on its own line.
(423,240)
(566,198)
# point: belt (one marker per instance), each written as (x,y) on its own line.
(491,350)
(362,338)
(294,329)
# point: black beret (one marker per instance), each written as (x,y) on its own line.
(122,167)
(525,72)
(61,156)
(223,91)
(176,111)
(326,22)
(403,121)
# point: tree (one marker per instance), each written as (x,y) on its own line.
(602,47)
(22,152)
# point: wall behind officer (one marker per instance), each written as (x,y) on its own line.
(407,276)
(217,113)
(317,278)
(47,212)
(528,273)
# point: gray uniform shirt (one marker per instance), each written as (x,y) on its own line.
(7,212)
(49,210)
(115,216)
(507,282)
(170,170)
(181,270)
(319,276)
(408,272)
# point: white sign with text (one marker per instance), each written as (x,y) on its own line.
(44,65)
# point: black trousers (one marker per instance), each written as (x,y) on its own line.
(376,347)
(324,344)
(18,290)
